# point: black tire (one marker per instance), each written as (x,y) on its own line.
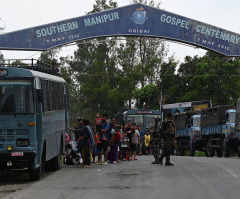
(209,150)
(191,148)
(219,153)
(226,148)
(57,161)
(35,174)
(206,153)
(181,152)
(239,151)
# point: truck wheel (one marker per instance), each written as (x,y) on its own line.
(209,150)
(191,148)
(206,153)
(226,150)
(180,151)
(219,153)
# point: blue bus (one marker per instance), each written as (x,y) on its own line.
(33,120)
(142,117)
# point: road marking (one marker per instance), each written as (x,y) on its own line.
(233,174)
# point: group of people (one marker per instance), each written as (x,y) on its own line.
(107,142)
(111,142)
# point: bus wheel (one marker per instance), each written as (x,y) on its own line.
(35,174)
(191,148)
(57,161)
(225,148)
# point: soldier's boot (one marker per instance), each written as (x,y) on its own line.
(168,163)
(157,161)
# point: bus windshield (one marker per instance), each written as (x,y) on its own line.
(138,119)
(150,120)
(16,96)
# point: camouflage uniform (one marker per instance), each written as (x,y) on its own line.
(168,138)
(156,143)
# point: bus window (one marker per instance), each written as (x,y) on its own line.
(150,120)
(138,119)
(16,96)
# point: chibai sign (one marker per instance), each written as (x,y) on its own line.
(133,20)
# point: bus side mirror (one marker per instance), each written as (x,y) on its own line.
(40,95)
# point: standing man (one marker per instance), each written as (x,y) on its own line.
(55,69)
(86,145)
(103,143)
(129,130)
(156,141)
(168,138)
(135,140)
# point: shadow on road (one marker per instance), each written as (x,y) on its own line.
(15,180)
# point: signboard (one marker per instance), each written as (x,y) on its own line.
(144,112)
(133,20)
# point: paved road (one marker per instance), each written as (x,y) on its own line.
(191,177)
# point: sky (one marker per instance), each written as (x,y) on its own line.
(21,14)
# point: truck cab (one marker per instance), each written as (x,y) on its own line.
(228,124)
(194,127)
(194,132)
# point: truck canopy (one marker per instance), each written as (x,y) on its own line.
(182,119)
(214,115)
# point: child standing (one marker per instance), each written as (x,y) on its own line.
(94,150)
(146,141)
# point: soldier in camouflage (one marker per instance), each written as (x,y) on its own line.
(168,138)
(156,142)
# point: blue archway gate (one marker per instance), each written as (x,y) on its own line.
(132,20)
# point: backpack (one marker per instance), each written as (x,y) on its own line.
(117,136)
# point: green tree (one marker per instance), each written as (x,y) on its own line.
(146,97)
(95,72)
(169,81)
(216,78)
(50,56)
